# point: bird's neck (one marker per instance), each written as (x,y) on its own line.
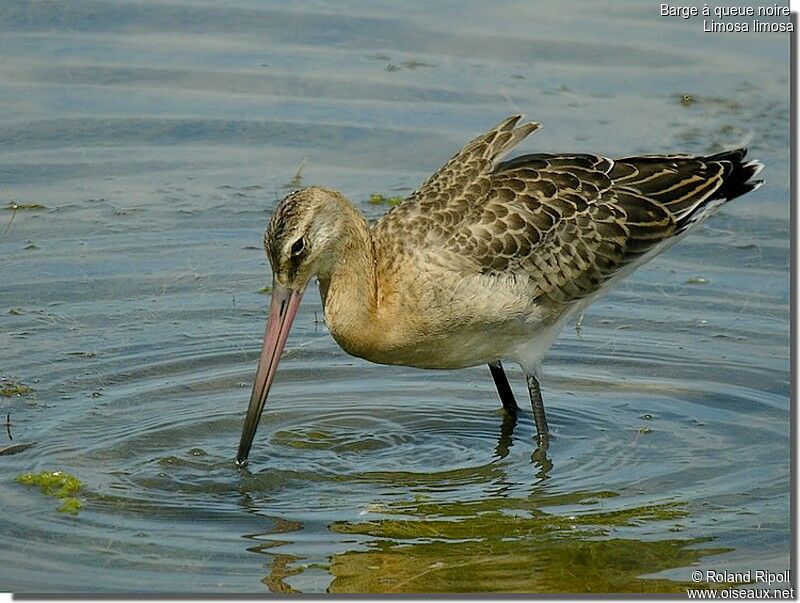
(349,289)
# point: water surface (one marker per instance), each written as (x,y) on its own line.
(159,135)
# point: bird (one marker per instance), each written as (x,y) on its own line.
(487,260)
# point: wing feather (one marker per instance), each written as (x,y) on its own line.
(566,223)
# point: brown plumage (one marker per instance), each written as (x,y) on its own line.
(488,258)
(569,222)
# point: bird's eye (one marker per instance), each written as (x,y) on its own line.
(298,246)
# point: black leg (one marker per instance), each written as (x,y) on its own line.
(537,404)
(503,388)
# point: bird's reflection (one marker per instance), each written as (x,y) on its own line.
(506,440)
(540,460)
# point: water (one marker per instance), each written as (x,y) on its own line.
(159,135)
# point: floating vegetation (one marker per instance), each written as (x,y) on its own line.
(12,206)
(414,64)
(82,354)
(52,483)
(58,484)
(311,440)
(265,290)
(10,387)
(514,545)
(698,280)
(645,429)
(15,311)
(687,100)
(410,64)
(378,199)
(30,246)
(70,505)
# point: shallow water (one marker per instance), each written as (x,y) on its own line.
(159,135)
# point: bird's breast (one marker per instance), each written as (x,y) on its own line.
(428,317)
(433,340)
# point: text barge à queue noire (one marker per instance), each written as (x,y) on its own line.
(711,25)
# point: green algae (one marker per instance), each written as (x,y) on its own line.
(70,505)
(52,483)
(378,199)
(12,206)
(308,440)
(10,387)
(58,484)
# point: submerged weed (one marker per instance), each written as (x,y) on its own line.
(24,206)
(70,505)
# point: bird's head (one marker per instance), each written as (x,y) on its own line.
(304,236)
(303,240)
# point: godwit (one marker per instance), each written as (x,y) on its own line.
(487,260)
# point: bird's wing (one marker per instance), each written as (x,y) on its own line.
(458,186)
(462,176)
(571,222)
(685,184)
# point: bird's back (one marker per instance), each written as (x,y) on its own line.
(563,225)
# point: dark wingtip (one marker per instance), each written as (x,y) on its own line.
(733,155)
(736,181)
(739,181)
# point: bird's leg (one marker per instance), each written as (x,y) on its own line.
(535,391)
(539,456)
(503,388)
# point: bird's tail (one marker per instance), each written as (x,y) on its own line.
(737,180)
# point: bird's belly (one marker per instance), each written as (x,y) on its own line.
(457,350)
(442,324)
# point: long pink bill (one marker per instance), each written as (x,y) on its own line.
(282,311)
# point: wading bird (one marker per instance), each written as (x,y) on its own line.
(487,260)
